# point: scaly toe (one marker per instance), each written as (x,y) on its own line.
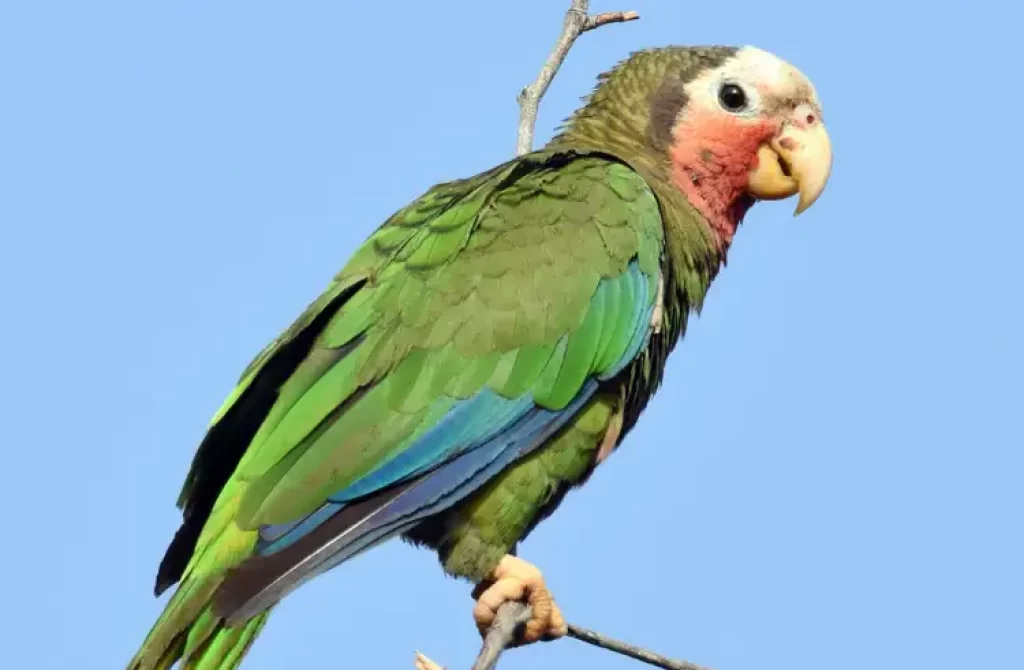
(557,627)
(517,580)
(495,595)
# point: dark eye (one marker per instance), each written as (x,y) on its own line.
(732,97)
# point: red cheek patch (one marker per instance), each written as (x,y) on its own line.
(711,157)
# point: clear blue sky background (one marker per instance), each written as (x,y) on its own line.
(829,479)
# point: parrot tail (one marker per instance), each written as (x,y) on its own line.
(205,643)
(189,629)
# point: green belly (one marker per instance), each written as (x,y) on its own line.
(473,536)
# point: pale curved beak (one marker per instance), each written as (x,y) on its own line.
(797,160)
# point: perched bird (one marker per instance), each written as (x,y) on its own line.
(484,350)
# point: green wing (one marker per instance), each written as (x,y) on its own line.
(499,299)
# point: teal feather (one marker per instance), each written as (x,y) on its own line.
(620,306)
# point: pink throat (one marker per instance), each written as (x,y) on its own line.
(711,158)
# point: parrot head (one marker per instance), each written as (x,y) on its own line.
(726,126)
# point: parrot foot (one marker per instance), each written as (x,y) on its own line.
(516,580)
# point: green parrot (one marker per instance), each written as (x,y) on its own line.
(484,350)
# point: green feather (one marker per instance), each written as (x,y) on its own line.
(529,363)
(614,328)
(486,282)
(578,363)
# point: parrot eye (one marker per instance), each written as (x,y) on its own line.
(732,97)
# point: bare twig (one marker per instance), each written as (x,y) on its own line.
(598,20)
(638,653)
(507,622)
(512,615)
(576,23)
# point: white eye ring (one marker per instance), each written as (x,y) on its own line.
(736,98)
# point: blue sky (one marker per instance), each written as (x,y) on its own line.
(830,477)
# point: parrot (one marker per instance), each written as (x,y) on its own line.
(484,350)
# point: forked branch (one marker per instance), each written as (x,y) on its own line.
(577,22)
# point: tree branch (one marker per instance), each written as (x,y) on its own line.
(638,653)
(507,622)
(576,23)
(513,615)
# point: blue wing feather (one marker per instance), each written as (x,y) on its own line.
(459,430)
(446,486)
(474,440)
(462,476)
(469,423)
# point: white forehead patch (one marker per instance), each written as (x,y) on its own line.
(766,69)
(761,74)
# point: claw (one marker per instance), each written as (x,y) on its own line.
(516,580)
